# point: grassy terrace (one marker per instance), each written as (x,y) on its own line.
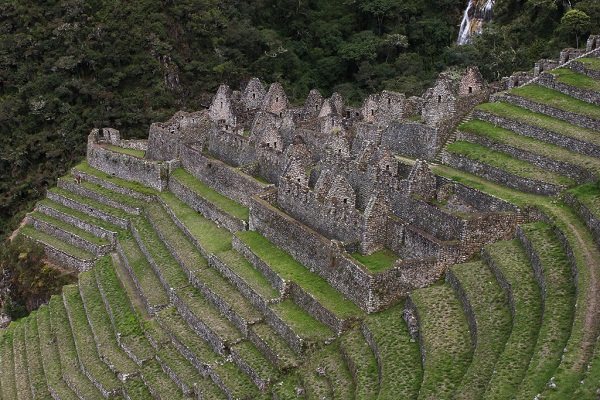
(34,358)
(291,270)
(101,190)
(167,265)
(236,381)
(591,63)
(136,388)
(303,324)
(400,356)
(557,99)
(525,116)
(572,78)
(78,214)
(254,358)
(7,377)
(579,348)
(512,261)
(138,187)
(117,149)
(91,202)
(287,357)
(154,376)
(589,195)
(505,136)
(445,336)
(149,282)
(20,360)
(63,338)
(508,163)
(49,355)
(381,260)
(560,303)
(171,357)
(492,315)
(367,372)
(225,203)
(334,381)
(84,340)
(100,323)
(76,252)
(70,228)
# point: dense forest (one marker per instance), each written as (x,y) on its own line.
(67,66)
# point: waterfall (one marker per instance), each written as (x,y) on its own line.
(476,13)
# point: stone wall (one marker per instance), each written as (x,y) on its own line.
(591,220)
(497,175)
(465,303)
(412,139)
(580,68)
(59,257)
(89,210)
(557,138)
(100,198)
(111,186)
(552,82)
(219,176)
(126,167)
(482,201)
(534,259)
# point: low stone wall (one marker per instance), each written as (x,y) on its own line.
(78,223)
(271,276)
(68,237)
(590,220)
(465,303)
(411,309)
(502,177)
(189,355)
(557,138)
(504,284)
(111,186)
(262,383)
(412,139)
(187,391)
(576,119)
(482,201)
(572,171)
(151,308)
(205,207)
(217,175)
(124,166)
(59,257)
(370,339)
(100,198)
(551,82)
(264,348)
(534,259)
(89,210)
(580,68)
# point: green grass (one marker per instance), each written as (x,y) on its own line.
(336,383)
(589,195)
(136,388)
(557,99)
(572,78)
(494,322)
(225,203)
(160,381)
(512,261)
(101,190)
(525,116)
(91,203)
(248,352)
(379,261)
(301,322)
(34,358)
(591,63)
(505,136)
(7,377)
(508,163)
(170,356)
(240,384)
(70,228)
(446,339)
(78,214)
(289,269)
(76,252)
(20,360)
(286,357)
(559,305)
(400,356)
(136,186)
(131,152)
(354,346)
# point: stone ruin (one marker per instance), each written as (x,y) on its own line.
(325,181)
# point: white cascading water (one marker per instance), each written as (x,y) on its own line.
(476,13)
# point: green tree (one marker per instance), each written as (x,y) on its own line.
(575,22)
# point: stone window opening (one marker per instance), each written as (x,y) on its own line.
(372,112)
(277,99)
(516,82)
(298,180)
(439,99)
(221,104)
(470,89)
(387,167)
(316,107)
(345,201)
(339,151)
(254,95)
(209,165)
(348,114)
(389,101)
(280,114)
(275,145)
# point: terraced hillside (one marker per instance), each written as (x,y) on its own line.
(184,294)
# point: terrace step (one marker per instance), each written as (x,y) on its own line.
(398,356)
(159,383)
(50,357)
(100,194)
(273,346)
(289,277)
(8,380)
(361,362)
(326,375)
(555,104)
(588,66)
(69,234)
(208,202)
(555,278)
(37,378)
(446,347)
(554,158)
(62,335)
(504,169)
(539,126)
(136,389)
(569,82)
(24,388)
(58,251)
(98,372)
(486,306)
(83,171)
(509,263)
(148,285)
